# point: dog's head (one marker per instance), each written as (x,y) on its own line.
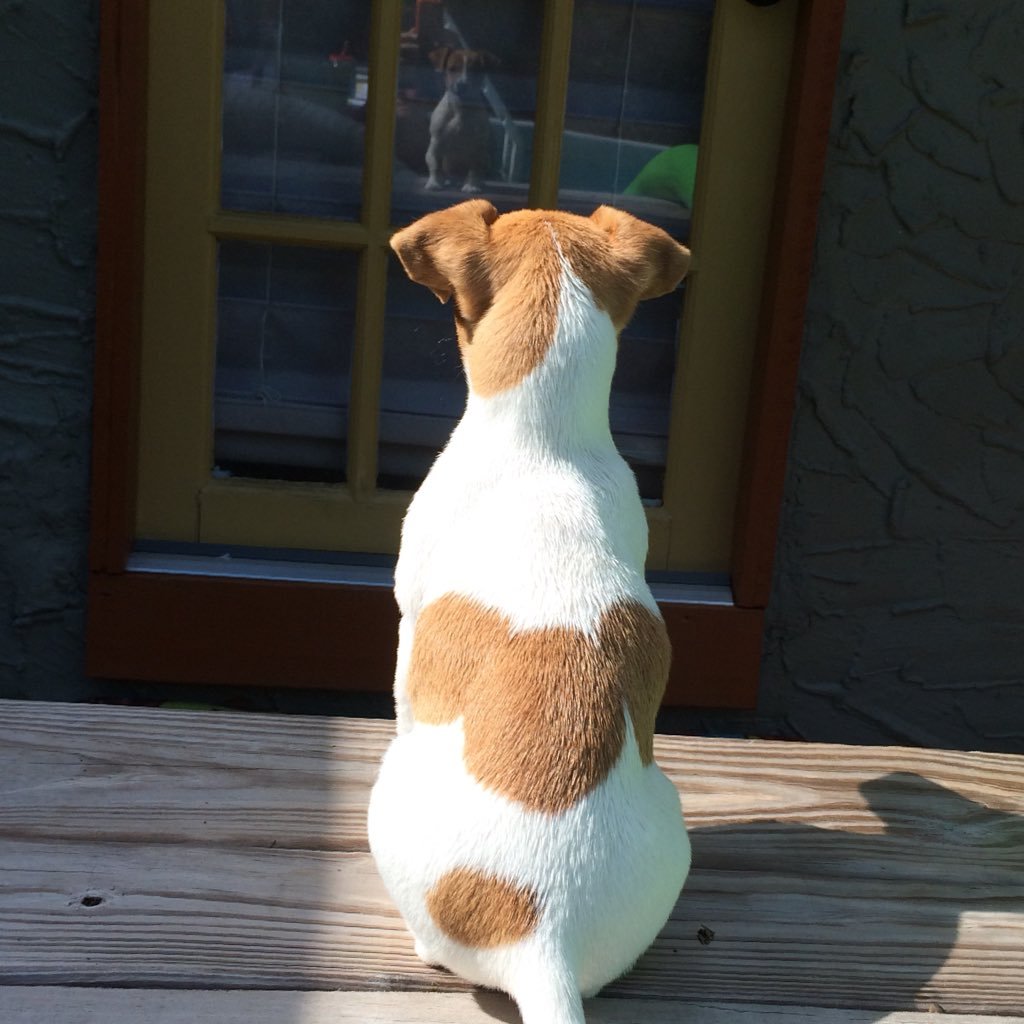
(463,70)
(507,275)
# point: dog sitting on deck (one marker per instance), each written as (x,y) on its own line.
(519,820)
(460,128)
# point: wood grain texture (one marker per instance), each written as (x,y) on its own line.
(180,849)
(46,1004)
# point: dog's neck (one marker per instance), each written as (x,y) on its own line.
(560,409)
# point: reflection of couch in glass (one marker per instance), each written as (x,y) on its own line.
(294,144)
(596,169)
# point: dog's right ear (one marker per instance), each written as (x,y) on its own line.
(444,250)
(653,261)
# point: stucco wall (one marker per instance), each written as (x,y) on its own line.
(47,239)
(898,610)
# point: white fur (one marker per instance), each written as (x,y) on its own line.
(608,870)
(531,511)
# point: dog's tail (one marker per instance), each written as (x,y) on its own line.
(546,993)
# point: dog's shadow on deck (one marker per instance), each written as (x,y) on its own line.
(777,912)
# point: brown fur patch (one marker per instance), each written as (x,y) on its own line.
(506,277)
(542,710)
(482,910)
(645,262)
(519,328)
(446,252)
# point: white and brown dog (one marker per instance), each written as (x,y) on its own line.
(460,128)
(519,820)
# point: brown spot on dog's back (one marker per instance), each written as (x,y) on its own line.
(482,910)
(543,710)
(638,650)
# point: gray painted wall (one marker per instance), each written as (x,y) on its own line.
(48,152)
(898,609)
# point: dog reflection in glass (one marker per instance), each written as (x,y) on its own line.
(460,127)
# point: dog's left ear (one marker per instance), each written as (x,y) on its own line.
(445,250)
(655,261)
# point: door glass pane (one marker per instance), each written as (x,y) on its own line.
(633,110)
(285,318)
(294,98)
(641,396)
(423,390)
(467,94)
(632,126)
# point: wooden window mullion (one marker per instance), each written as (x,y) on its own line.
(182,192)
(287,230)
(744,110)
(552,89)
(368,343)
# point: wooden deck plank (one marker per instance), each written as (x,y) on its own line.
(179,915)
(155,1006)
(158,775)
(229,850)
(251,778)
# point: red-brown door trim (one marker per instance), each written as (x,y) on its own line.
(254,632)
(784,298)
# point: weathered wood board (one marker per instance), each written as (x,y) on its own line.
(184,850)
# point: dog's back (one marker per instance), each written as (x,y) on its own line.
(519,820)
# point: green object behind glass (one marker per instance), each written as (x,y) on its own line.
(669,175)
